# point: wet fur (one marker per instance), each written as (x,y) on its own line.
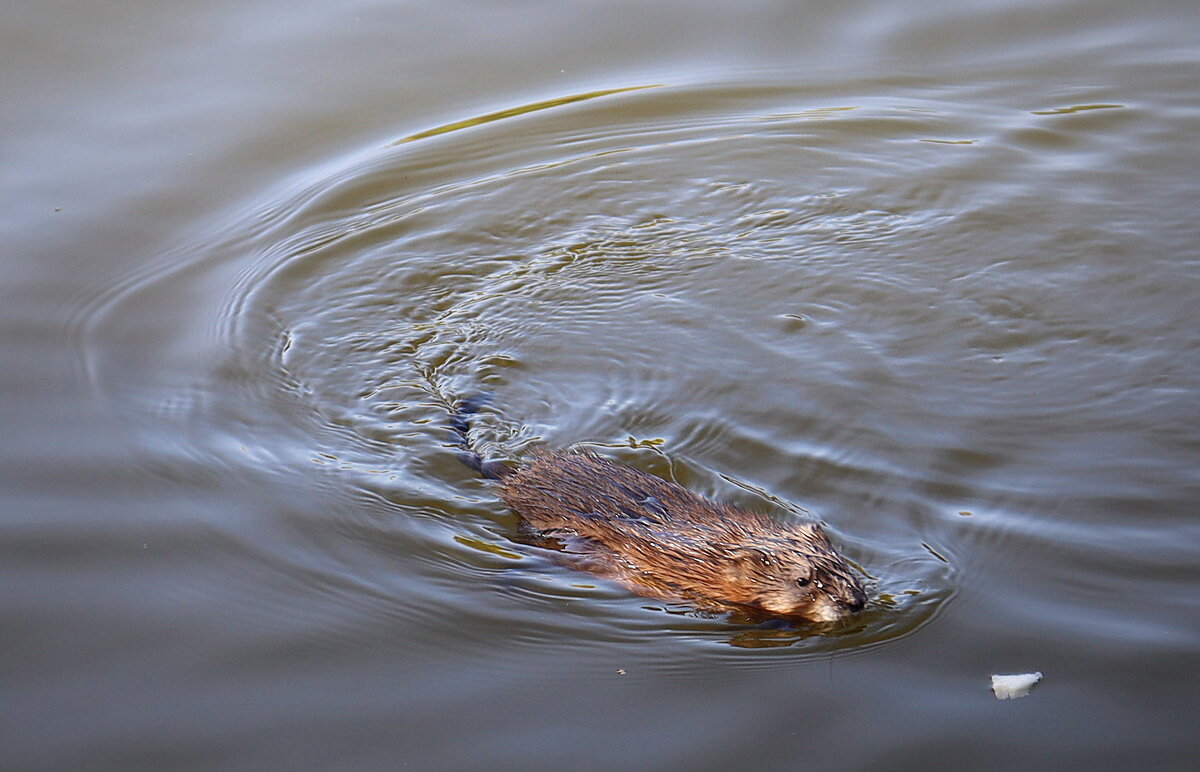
(663,541)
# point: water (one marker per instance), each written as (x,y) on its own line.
(924,271)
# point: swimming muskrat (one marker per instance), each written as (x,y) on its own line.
(663,541)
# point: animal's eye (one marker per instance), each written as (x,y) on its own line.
(802,581)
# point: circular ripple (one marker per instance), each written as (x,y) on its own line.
(735,287)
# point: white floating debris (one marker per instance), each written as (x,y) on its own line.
(1010,687)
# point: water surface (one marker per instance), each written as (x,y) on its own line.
(924,271)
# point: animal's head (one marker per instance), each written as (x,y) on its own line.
(799,575)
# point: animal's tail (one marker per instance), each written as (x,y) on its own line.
(460,424)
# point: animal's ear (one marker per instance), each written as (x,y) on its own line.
(749,559)
(745,572)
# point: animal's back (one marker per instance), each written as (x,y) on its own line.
(593,496)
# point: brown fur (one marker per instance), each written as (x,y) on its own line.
(666,542)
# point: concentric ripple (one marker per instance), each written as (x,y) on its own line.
(791,299)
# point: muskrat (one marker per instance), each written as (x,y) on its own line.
(663,541)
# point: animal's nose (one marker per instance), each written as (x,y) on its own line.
(856,601)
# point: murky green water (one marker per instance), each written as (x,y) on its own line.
(926,271)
